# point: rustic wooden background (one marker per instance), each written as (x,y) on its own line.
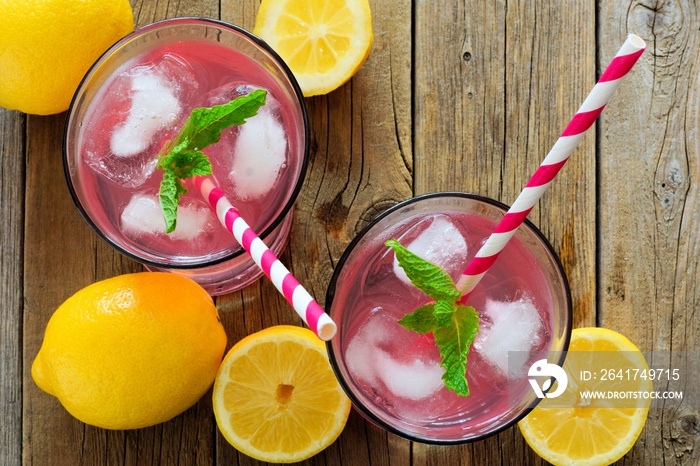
(456,95)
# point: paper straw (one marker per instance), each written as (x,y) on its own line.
(608,83)
(308,309)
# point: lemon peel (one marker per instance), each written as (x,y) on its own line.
(131,351)
(48,46)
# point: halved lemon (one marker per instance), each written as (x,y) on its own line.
(276,398)
(324,42)
(580,430)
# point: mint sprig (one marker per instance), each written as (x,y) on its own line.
(453,325)
(184,157)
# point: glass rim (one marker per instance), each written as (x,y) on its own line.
(330,294)
(257,41)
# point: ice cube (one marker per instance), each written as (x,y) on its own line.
(253,154)
(379,357)
(256,151)
(415,380)
(506,329)
(135,117)
(154,107)
(143,216)
(440,243)
(193,221)
(259,155)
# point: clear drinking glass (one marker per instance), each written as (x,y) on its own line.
(173,66)
(391,374)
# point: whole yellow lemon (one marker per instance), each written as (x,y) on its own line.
(47,46)
(131,351)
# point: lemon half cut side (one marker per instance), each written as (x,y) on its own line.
(324,42)
(276,398)
(571,430)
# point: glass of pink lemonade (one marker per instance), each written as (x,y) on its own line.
(133,101)
(393,375)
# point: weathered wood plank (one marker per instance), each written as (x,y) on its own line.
(149,11)
(459,90)
(361,158)
(490,101)
(12,128)
(73,259)
(649,209)
(59,257)
(359,164)
(546,94)
(493,89)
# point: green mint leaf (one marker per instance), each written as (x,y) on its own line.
(453,325)
(185,159)
(169,158)
(201,165)
(427,277)
(186,163)
(170,191)
(422,320)
(443,311)
(178,165)
(203,127)
(454,341)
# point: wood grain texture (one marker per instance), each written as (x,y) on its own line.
(72,257)
(12,128)
(650,210)
(55,265)
(360,164)
(491,99)
(360,158)
(455,95)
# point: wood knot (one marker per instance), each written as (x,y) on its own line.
(690,425)
(671,187)
(333,215)
(373,211)
(313,146)
(683,437)
(661,24)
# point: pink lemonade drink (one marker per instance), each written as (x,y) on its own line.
(134,101)
(392,374)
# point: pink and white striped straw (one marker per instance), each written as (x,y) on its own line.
(308,309)
(599,96)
